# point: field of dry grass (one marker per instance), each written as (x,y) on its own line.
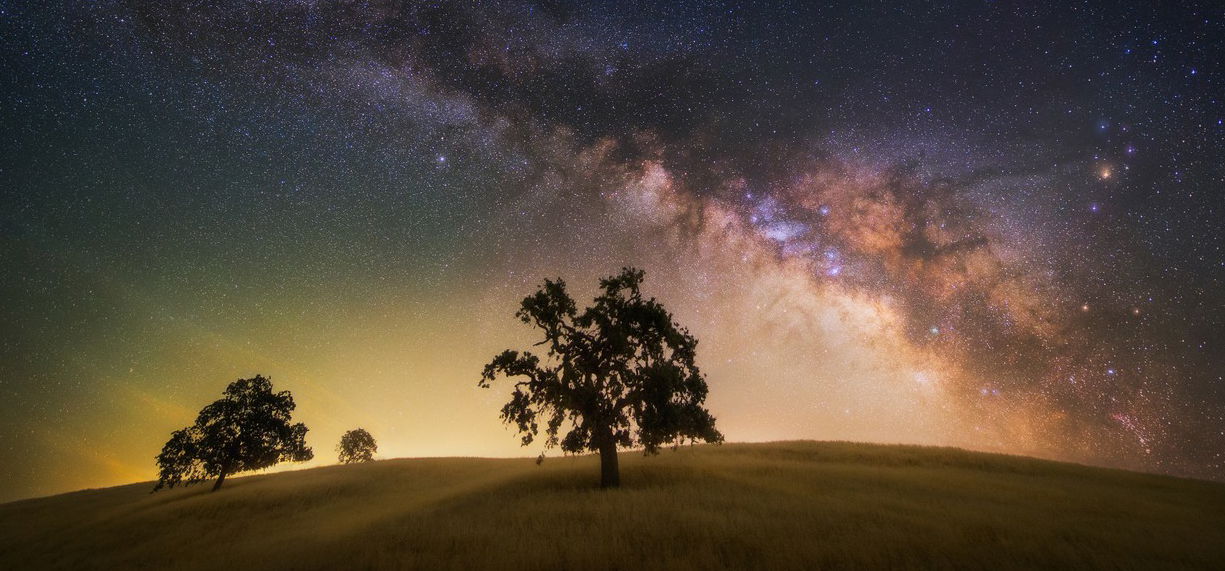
(779,505)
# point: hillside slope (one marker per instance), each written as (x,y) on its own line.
(777,505)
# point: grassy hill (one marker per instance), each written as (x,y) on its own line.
(779,505)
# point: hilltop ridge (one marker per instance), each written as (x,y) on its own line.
(774,505)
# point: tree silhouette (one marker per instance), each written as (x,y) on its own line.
(621,373)
(356,445)
(247,429)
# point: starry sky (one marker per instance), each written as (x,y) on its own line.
(995,225)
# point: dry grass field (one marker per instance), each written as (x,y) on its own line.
(790,505)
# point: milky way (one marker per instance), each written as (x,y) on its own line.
(983,225)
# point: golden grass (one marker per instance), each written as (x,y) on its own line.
(797,505)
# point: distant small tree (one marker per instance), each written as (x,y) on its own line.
(621,373)
(247,429)
(356,445)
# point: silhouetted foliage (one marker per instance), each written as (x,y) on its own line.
(247,429)
(356,445)
(621,373)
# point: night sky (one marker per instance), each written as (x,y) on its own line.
(995,225)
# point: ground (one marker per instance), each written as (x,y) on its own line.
(779,505)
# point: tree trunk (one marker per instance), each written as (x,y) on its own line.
(220,480)
(610,474)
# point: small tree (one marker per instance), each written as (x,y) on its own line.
(621,373)
(247,429)
(356,445)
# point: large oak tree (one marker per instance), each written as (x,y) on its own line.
(247,429)
(621,373)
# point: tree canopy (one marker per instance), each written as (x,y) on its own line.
(619,373)
(247,429)
(356,445)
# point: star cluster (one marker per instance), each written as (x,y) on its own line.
(984,224)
